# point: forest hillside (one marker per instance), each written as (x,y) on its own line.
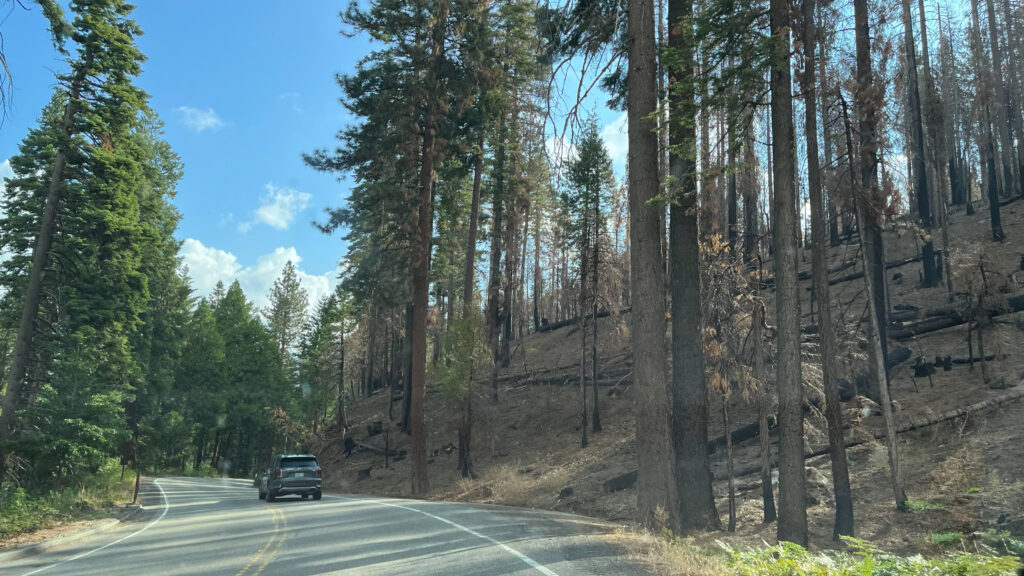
(964,472)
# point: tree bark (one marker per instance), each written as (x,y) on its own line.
(689,416)
(877,369)
(466,408)
(656,476)
(494,277)
(792,526)
(917,150)
(581,326)
(1010,174)
(341,420)
(421,261)
(596,418)
(819,264)
(751,192)
(866,106)
(728,462)
(763,405)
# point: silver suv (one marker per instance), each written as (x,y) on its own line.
(292,474)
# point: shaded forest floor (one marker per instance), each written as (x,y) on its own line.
(962,475)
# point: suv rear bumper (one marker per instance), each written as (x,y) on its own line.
(304,487)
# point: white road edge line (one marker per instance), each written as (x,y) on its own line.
(105,546)
(529,561)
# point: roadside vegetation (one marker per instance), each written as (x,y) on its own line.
(96,496)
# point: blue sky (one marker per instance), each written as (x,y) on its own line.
(243,88)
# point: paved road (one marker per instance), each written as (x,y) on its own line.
(211,526)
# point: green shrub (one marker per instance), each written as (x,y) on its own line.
(943,538)
(787,559)
(92,497)
(1002,542)
(21,513)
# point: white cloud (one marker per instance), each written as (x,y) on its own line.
(209,265)
(5,172)
(198,120)
(616,140)
(278,208)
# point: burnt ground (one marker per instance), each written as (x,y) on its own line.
(963,474)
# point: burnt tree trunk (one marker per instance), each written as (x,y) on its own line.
(696,508)
(819,264)
(792,526)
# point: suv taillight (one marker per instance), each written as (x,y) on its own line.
(319,473)
(277,473)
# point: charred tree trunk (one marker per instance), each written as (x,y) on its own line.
(751,192)
(1010,175)
(763,406)
(819,264)
(792,526)
(866,211)
(874,263)
(917,145)
(689,415)
(728,462)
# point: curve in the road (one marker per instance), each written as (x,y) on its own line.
(218,527)
(529,561)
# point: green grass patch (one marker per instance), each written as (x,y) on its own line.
(945,538)
(922,506)
(787,559)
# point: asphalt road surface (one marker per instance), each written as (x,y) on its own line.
(213,526)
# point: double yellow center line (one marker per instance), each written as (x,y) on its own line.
(266,554)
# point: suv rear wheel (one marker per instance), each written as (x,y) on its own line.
(317,495)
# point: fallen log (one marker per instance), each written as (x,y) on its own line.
(806,274)
(610,363)
(621,482)
(906,427)
(377,450)
(1013,304)
(900,318)
(858,275)
(572,321)
(741,434)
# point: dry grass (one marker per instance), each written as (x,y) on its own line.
(669,557)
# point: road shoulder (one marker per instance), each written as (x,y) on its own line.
(68,533)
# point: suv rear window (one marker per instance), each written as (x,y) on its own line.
(298,462)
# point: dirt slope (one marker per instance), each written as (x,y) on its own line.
(965,474)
